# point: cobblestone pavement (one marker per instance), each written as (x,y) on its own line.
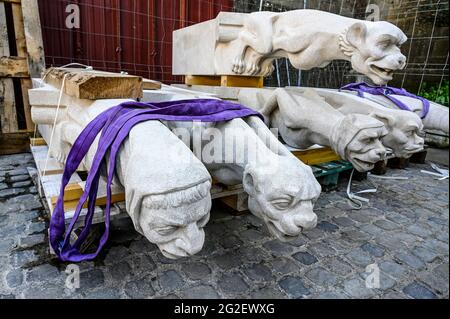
(404,231)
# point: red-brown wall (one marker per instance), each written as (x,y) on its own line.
(118,35)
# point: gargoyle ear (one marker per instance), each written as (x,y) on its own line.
(249,182)
(387,119)
(356,34)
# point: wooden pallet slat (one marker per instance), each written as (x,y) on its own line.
(13,67)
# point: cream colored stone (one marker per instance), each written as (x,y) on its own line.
(306,119)
(247,44)
(437,118)
(403,127)
(167,189)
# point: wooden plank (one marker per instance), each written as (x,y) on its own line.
(202,80)
(21,45)
(151,85)
(14,143)
(37,141)
(10,1)
(13,67)
(94,85)
(8,115)
(316,156)
(33,38)
(242,81)
(238,202)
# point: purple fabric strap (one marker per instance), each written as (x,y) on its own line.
(115,125)
(387,92)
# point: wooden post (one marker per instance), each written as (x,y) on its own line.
(8,116)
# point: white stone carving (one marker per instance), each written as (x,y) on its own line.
(281,189)
(167,189)
(403,127)
(436,120)
(306,119)
(247,44)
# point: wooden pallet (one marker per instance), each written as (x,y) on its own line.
(225,80)
(21,57)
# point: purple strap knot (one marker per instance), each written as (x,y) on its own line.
(387,92)
(115,125)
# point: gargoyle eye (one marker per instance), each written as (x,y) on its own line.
(282,204)
(384,44)
(167,230)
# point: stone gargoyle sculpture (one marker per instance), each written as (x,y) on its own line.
(247,44)
(168,200)
(281,189)
(404,128)
(305,119)
(437,118)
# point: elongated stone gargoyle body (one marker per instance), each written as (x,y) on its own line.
(247,44)
(282,190)
(437,118)
(403,127)
(167,189)
(305,119)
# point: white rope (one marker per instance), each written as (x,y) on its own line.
(354,198)
(442,174)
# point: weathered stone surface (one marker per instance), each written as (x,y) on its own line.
(418,291)
(133,268)
(294,286)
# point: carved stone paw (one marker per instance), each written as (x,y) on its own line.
(253,69)
(238,65)
(268,70)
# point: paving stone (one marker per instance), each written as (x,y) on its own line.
(92,279)
(374,250)
(410,260)
(14,278)
(343,221)
(418,291)
(268,293)
(393,269)
(141,264)
(252,235)
(356,287)
(196,271)
(19,171)
(322,277)
(21,184)
(278,248)
(200,292)
(170,280)
(419,231)
(258,273)
(232,283)
(355,235)
(294,286)
(43,272)
(120,271)
(32,240)
(338,266)
(140,289)
(228,260)
(11,192)
(305,258)
(230,241)
(437,283)
(48,291)
(284,266)
(386,224)
(442,271)
(359,257)
(330,295)
(327,226)
(34,228)
(321,249)
(103,293)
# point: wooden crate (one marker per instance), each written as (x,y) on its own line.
(21,58)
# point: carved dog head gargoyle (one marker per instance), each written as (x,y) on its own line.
(403,137)
(284,204)
(374,49)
